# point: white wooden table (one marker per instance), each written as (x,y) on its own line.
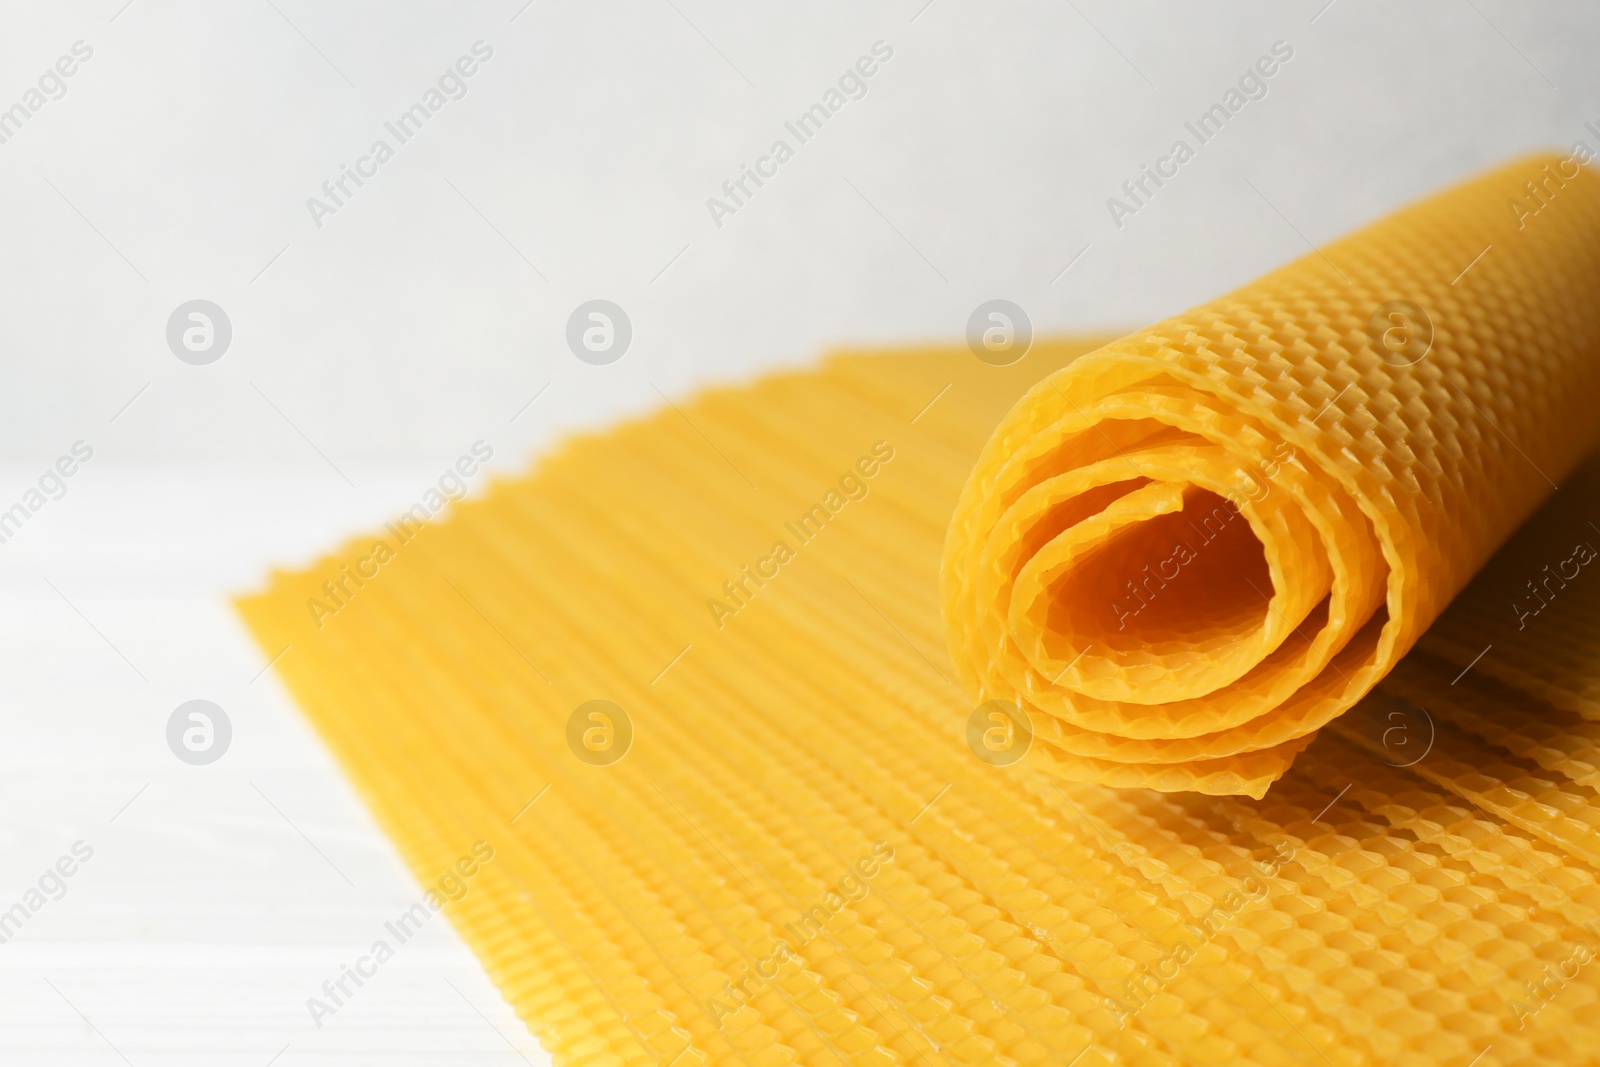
(432,310)
(218,898)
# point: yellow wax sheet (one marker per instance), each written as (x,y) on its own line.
(1188,551)
(689,682)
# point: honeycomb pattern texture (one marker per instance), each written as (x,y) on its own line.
(801,859)
(1186,552)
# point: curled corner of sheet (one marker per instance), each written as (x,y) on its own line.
(1353,435)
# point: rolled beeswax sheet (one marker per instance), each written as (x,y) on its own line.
(1192,548)
(779,843)
(799,860)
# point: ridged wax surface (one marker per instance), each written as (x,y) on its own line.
(1374,908)
(1186,552)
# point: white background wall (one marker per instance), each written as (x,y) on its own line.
(370,353)
(406,327)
